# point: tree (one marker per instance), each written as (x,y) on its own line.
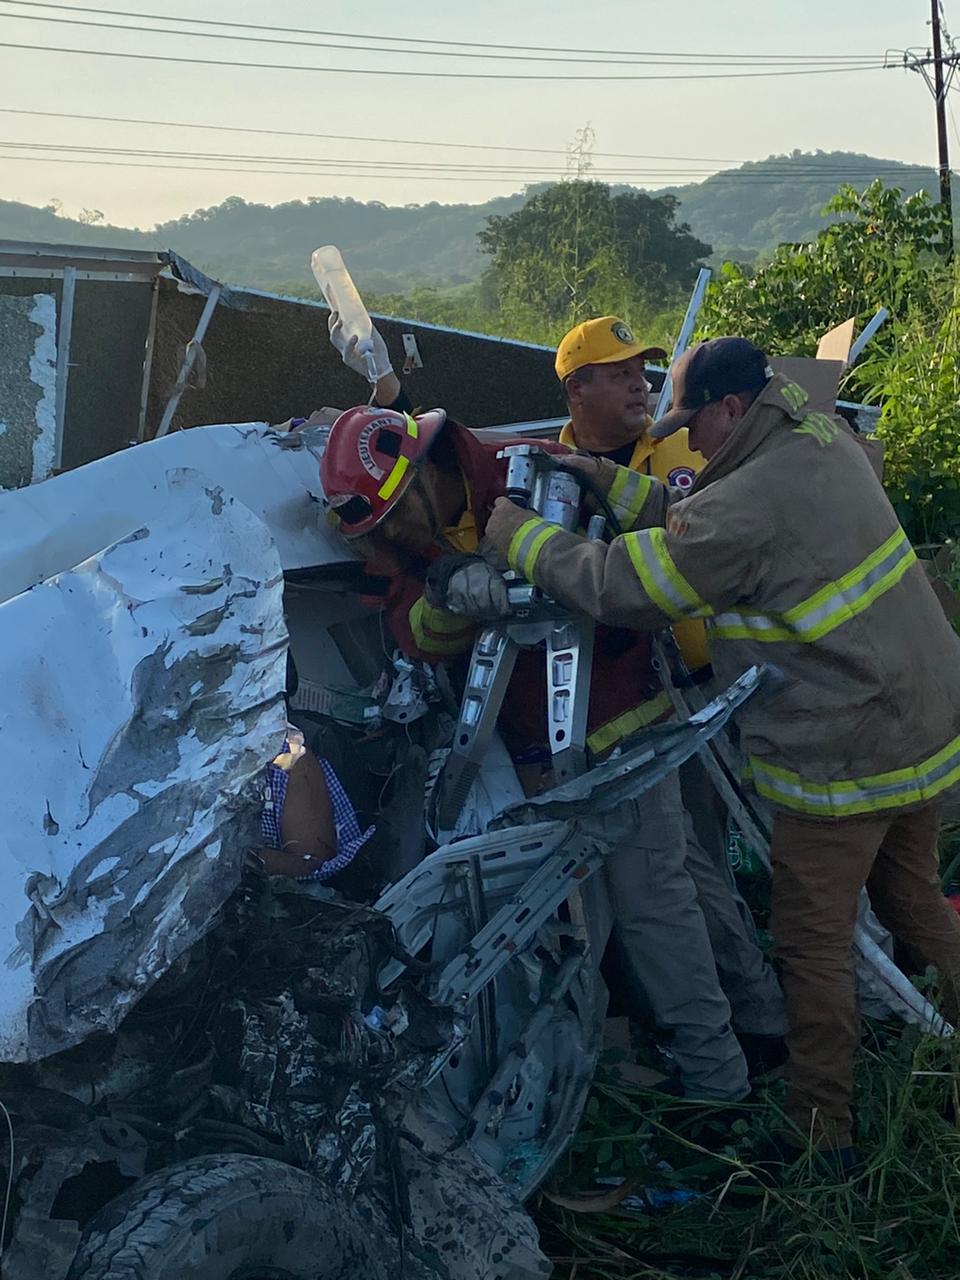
(577,249)
(886,252)
(90,217)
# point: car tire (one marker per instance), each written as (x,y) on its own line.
(231,1217)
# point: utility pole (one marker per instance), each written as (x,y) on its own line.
(944,69)
(940,99)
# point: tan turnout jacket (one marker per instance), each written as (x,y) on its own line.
(789,548)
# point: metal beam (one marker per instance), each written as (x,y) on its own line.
(683,340)
(64,332)
(71,254)
(56,273)
(148,362)
(869,330)
(189,357)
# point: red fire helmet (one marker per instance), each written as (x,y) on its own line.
(370,459)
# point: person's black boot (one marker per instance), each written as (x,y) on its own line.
(763,1054)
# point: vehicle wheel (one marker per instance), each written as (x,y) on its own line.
(230,1217)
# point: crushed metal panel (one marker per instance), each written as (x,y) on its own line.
(54,526)
(28,355)
(149,679)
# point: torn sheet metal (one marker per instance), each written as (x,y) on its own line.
(149,677)
(647,758)
(52,527)
(28,381)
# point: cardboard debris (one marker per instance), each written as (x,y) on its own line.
(836,343)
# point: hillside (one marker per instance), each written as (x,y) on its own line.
(740,212)
(762,204)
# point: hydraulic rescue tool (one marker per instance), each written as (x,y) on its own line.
(536,480)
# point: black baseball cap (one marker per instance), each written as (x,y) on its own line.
(708,372)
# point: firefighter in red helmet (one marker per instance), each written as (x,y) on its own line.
(416,492)
(388,445)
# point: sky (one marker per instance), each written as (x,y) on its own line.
(690,127)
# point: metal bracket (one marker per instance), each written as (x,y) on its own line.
(413,359)
(869,330)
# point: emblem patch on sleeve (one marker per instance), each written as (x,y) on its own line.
(682,478)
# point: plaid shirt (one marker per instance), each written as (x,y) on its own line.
(350,839)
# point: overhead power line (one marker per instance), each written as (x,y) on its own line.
(297,173)
(656,60)
(445,44)
(347,137)
(442,75)
(226,163)
(807,168)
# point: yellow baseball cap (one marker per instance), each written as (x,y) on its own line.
(605,340)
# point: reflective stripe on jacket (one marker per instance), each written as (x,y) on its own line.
(675,464)
(789,548)
(625,693)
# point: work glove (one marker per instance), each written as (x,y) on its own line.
(468,587)
(352,358)
(601,471)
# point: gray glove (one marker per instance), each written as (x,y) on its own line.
(347,347)
(477,591)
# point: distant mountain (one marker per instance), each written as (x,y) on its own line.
(387,248)
(740,212)
(761,204)
(27,222)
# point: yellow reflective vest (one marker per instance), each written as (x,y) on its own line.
(788,547)
(674,463)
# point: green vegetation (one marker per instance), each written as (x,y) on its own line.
(916,379)
(574,250)
(741,212)
(580,249)
(886,250)
(895,1220)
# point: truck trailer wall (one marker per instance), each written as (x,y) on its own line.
(271,360)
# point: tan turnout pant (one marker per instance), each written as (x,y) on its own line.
(819,868)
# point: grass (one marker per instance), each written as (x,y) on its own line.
(897,1219)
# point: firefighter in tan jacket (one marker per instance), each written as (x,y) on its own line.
(602,368)
(789,548)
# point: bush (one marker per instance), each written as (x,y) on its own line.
(887,251)
(916,380)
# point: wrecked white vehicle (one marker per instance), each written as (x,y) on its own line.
(211,1072)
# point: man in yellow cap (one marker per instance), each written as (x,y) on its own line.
(603,370)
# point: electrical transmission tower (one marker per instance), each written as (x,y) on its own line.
(580,153)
